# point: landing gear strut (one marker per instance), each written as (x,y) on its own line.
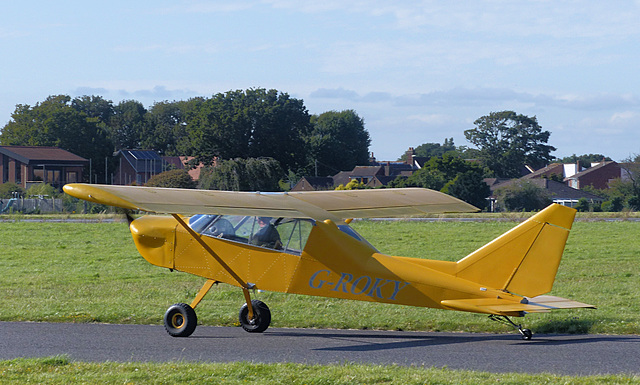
(180,320)
(526,334)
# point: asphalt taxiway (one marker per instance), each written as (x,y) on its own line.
(559,354)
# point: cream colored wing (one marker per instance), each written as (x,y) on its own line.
(319,205)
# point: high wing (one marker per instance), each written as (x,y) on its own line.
(319,205)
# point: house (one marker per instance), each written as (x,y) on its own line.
(29,165)
(371,176)
(554,171)
(599,175)
(182,163)
(376,174)
(314,183)
(558,192)
(137,166)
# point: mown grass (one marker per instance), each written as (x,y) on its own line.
(91,272)
(59,370)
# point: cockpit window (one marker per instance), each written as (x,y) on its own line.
(287,234)
(348,230)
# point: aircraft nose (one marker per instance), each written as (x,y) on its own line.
(155,238)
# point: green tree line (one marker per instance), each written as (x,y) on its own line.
(240,124)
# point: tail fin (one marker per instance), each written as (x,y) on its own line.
(525,259)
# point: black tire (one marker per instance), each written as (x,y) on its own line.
(526,334)
(261,317)
(180,320)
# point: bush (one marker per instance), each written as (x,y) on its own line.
(353,184)
(43,189)
(583,205)
(523,196)
(614,205)
(8,189)
(251,174)
(172,179)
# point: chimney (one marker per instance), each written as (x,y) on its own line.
(409,156)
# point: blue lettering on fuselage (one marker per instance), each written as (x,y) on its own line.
(362,285)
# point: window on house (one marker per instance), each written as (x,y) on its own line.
(72,177)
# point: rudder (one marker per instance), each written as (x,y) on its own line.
(525,259)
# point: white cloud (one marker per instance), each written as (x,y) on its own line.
(625,117)
(477,96)
(433,119)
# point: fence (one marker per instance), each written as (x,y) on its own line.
(34,205)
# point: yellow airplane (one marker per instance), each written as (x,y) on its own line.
(302,243)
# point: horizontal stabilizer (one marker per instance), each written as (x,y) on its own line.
(508,307)
(551,302)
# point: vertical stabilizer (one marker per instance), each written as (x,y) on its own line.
(525,259)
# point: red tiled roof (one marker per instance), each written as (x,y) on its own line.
(44,153)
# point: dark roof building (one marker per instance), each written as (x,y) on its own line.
(137,167)
(559,192)
(598,176)
(28,165)
(314,183)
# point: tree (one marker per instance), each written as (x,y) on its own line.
(166,126)
(56,122)
(249,124)
(94,107)
(451,175)
(338,141)
(127,125)
(429,150)
(584,160)
(522,196)
(507,141)
(425,178)
(172,179)
(253,174)
(470,187)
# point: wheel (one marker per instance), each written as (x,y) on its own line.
(180,320)
(261,317)
(526,334)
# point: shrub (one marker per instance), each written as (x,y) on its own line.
(523,196)
(614,205)
(8,189)
(43,189)
(172,179)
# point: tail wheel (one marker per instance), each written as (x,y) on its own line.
(180,320)
(261,317)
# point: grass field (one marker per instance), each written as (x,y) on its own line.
(59,370)
(91,272)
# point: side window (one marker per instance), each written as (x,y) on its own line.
(200,222)
(295,233)
(287,234)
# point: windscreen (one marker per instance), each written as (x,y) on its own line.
(287,234)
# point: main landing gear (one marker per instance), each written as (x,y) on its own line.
(526,334)
(180,320)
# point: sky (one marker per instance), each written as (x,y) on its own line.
(415,71)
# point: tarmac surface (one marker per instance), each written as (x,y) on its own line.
(558,354)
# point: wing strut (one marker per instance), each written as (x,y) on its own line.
(244,285)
